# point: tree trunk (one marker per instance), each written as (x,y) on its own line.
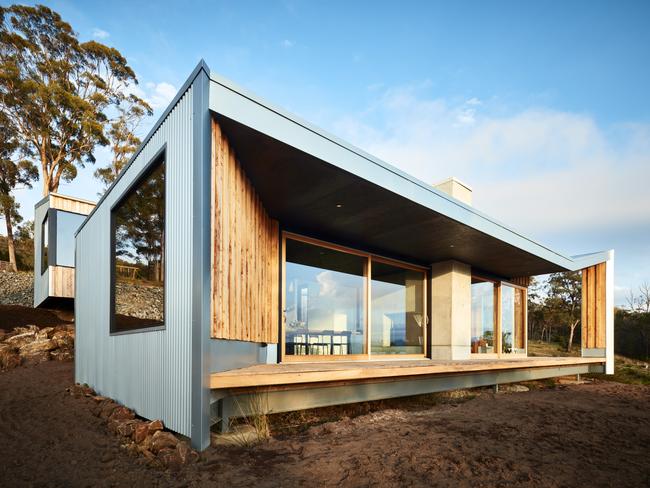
(10,239)
(573,328)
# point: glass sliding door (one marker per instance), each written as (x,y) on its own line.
(483,316)
(343,303)
(396,309)
(325,304)
(513,320)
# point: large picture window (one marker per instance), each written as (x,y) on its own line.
(138,228)
(342,302)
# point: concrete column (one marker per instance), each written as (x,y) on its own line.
(451,309)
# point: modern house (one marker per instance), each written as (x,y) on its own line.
(244,254)
(56,220)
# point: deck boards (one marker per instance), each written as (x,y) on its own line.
(297,373)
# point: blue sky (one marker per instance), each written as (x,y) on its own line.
(541,107)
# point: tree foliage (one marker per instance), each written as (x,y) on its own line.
(122,138)
(57,90)
(555,308)
(12,174)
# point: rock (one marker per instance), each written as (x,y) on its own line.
(140,433)
(20,339)
(44,333)
(122,413)
(78,390)
(9,358)
(155,425)
(37,347)
(186,454)
(161,440)
(147,443)
(2,335)
(126,428)
(106,409)
(149,456)
(99,398)
(63,339)
(513,388)
(60,355)
(170,458)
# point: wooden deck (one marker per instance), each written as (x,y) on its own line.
(320,372)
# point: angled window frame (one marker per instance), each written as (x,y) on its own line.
(160,158)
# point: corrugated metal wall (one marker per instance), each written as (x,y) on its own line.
(41,281)
(147,371)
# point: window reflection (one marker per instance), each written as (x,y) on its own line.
(325,304)
(483,316)
(397,310)
(139,250)
(512,320)
(67,224)
(44,244)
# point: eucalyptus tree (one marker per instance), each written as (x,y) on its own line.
(57,91)
(122,136)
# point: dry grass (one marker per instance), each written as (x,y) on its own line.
(551,349)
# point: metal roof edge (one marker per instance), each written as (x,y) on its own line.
(582,261)
(201,66)
(230,85)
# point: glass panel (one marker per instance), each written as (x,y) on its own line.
(483,316)
(325,301)
(519,340)
(507,319)
(397,310)
(139,240)
(44,240)
(66,225)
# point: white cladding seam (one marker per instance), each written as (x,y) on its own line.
(148,371)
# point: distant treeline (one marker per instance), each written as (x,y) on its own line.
(632,334)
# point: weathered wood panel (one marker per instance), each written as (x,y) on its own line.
(70,204)
(521,281)
(593,306)
(61,282)
(245,246)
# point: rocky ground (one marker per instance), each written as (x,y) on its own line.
(143,302)
(33,345)
(17,288)
(594,434)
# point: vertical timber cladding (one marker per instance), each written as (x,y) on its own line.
(245,246)
(521,281)
(593,306)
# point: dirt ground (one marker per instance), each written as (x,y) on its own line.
(12,316)
(584,435)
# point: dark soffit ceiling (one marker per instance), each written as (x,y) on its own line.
(310,196)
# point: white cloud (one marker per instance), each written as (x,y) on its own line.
(158,95)
(540,170)
(286,43)
(100,34)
